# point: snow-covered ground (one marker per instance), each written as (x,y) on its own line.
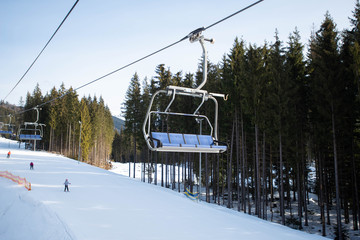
(105,205)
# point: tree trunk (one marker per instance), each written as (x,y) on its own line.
(229,170)
(191,171)
(162,170)
(299,198)
(321,195)
(271,186)
(264,199)
(178,166)
(213,177)
(304,186)
(237,172)
(69,141)
(50,142)
(288,197)
(206,178)
(356,207)
(218,179)
(155,174)
(134,156)
(257,172)
(327,197)
(229,175)
(173,172)
(184,170)
(166,170)
(243,197)
(61,143)
(338,210)
(281,191)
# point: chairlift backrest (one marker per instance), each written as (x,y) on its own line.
(206,140)
(191,139)
(162,138)
(176,138)
(29,137)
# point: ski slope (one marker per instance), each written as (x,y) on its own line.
(105,205)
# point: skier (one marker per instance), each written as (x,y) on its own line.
(31,166)
(66,183)
(8,155)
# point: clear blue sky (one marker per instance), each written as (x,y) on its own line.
(101,36)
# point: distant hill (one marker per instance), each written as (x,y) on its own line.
(6,108)
(118,123)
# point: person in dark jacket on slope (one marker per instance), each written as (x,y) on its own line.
(66,183)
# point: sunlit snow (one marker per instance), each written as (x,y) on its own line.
(105,205)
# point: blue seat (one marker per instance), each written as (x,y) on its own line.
(222,147)
(178,138)
(5,132)
(178,142)
(206,141)
(163,140)
(37,137)
(191,139)
(29,137)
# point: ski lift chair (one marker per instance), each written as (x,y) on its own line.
(9,130)
(183,142)
(31,130)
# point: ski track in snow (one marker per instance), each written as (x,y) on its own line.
(105,205)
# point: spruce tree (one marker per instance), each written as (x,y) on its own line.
(295,67)
(86,132)
(328,89)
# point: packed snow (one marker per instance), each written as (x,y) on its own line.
(105,205)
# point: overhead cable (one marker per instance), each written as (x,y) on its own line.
(162,49)
(149,55)
(42,50)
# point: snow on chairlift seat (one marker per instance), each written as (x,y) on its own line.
(178,142)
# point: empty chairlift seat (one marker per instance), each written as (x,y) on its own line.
(29,137)
(178,142)
(5,132)
(207,140)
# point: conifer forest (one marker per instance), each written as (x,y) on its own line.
(292,109)
(63,119)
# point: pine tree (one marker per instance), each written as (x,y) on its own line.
(253,92)
(132,112)
(296,73)
(86,132)
(279,100)
(350,57)
(116,148)
(327,87)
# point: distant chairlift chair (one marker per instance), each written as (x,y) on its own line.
(31,131)
(6,129)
